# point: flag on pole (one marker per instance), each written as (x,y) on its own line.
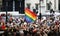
(29,16)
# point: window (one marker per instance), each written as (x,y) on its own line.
(36,6)
(49,5)
(41,0)
(12,5)
(0,4)
(46,0)
(17,4)
(28,6)
(59,5)
(21,7)
(9,7)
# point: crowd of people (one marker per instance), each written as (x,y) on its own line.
(46,26)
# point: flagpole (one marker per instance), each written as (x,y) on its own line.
(39,14)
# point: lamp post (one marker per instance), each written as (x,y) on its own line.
(20,6)
(51,10)
(40,5)
(13,5)
(6,10)
(39,17)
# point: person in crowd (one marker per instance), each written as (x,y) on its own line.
(3,27)
(25,28)
(46,26)
(17,31)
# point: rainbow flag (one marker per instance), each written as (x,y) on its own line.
(30,16)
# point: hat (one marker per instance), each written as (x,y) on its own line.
(14,21)
(44,18)
(25,23)
(36,25)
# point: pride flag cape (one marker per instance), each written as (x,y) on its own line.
(30,16)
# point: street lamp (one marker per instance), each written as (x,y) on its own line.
(39,17)
(40,5)
(6,10)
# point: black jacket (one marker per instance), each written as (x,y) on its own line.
(53,33)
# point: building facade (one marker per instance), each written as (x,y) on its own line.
(43,6)
(12,5)
(37,6)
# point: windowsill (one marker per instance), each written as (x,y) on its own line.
(47,10)
(54,10)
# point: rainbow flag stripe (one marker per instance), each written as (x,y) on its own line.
(28,20)
(31,15)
